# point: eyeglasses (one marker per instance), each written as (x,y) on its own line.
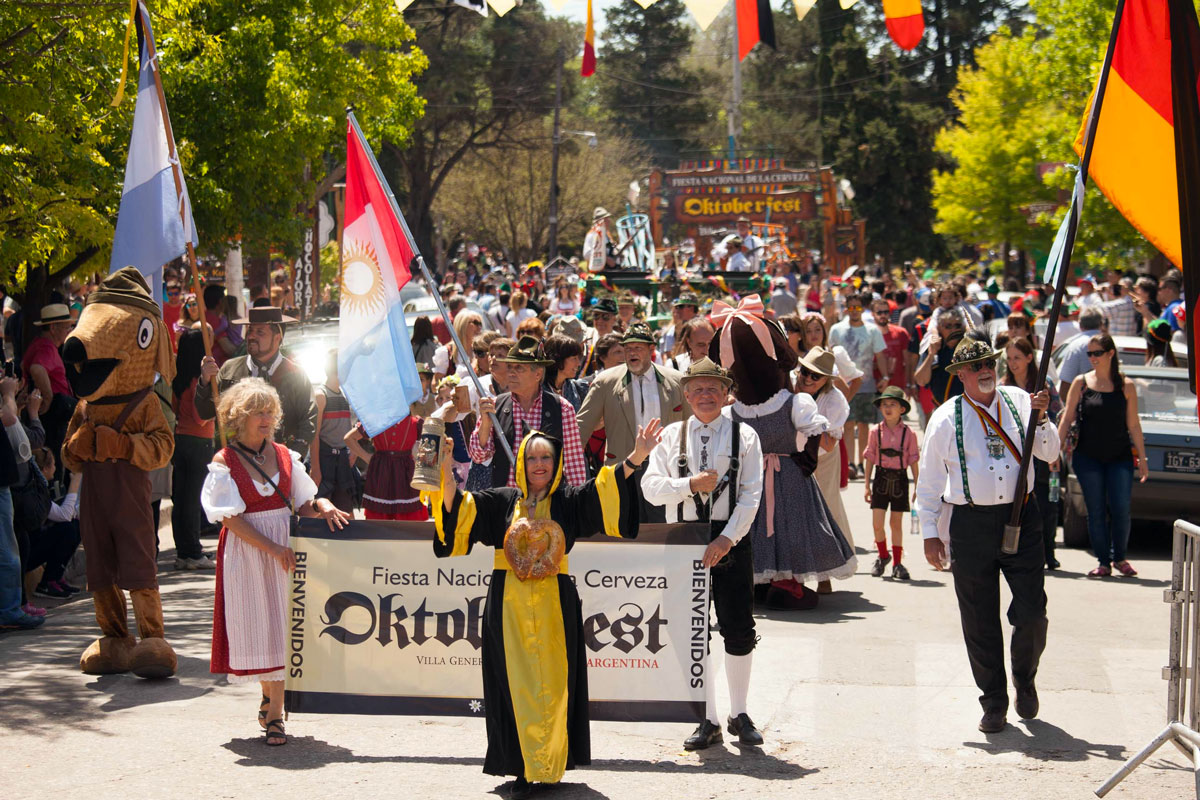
(1095,353)
(980,366)
(476,323)
(604,317)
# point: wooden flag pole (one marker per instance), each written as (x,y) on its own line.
(177,173)
(1012,531)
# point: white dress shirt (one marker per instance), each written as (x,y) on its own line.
(832,405)
(643,389)
(992,479)
(662,486)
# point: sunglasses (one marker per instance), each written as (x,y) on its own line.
(980,366)
(605,317)
(808,375)
(1095,353)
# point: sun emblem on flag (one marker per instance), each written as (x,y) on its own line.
(362,283)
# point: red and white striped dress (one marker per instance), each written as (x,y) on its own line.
(249,641)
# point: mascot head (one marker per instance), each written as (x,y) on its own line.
(120,341)
(754,350)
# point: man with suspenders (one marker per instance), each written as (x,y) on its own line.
(709,469)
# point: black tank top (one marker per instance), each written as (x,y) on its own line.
(1103,434)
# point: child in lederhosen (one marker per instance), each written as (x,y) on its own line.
(891,451)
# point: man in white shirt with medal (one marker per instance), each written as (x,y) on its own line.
(969,464)
(705,479)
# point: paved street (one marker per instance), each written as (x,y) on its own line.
(869,697)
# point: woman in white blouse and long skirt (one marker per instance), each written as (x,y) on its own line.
(254,559)
(814,376)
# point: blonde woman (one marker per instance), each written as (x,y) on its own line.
(251,489)
(518,312)
(467,325)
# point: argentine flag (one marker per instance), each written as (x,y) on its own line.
(154,222)
(376,365)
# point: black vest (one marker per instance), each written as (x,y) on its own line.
(551,423)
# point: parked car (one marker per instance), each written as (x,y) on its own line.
(1167,410)
(1131,351)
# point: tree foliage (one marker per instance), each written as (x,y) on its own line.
(1023,105)
(488,79)
(644,82)
(501,195)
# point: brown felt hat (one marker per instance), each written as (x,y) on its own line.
(706,368)
(527,351)
(125,287)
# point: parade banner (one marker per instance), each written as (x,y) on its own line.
(378,625)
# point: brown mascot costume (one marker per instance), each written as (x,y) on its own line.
(117,435)
(793,537)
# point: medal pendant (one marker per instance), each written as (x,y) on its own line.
(995,447)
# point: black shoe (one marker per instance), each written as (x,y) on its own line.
(706,735)
(1027,704)
(880,563)
(71,590)
(900,572)
(1052,563)
(742,727)
(521,789)
(51,590)
(993,721)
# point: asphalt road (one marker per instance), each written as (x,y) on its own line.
(870,696)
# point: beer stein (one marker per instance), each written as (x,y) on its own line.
(427,475)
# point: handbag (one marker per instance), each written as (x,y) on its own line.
(31,500)
(294,520)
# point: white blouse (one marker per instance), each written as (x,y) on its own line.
(806,419)
(832,405)
(220,497)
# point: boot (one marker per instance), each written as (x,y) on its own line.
(110,654)
(153,657)
(790,595)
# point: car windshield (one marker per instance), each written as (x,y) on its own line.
(1165,399)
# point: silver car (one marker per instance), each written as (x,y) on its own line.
(1167,410)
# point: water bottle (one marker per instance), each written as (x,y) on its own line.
(916,526)
(1054,486)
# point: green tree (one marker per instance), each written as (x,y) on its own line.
(1023,105)
(644,83)
(488,79)
(256,90)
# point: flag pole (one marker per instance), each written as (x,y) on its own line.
(1012,531)
(176,172)
(458,346)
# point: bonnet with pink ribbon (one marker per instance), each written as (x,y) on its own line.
(750,312)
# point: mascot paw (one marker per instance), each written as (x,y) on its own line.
(110,444)
(82,444)
(153,658)
(109,655)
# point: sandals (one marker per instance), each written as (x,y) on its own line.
(1126,569)
(1100,572)
(275,734)
(262,711)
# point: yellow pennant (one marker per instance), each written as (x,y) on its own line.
(125,55)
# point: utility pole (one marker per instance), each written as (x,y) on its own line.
(557,138)
(735,109)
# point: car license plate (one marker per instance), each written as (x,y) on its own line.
(1181,461)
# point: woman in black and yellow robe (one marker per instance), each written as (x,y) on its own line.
(534,662)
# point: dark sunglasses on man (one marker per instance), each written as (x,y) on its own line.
(980,366)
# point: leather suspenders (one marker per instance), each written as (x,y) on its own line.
(729,481)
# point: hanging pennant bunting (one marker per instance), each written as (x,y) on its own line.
(905,22)
(803,7)
(754,24)
(705,11)
(588,67)
(502,7)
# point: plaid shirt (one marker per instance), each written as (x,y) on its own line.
(526,420)
(1122,316)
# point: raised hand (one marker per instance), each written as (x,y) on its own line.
(648,436)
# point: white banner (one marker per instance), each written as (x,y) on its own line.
(378,625)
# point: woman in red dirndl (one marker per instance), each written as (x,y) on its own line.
(388,492)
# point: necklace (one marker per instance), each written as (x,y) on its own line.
(259,456)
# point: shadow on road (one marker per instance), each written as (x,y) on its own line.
(1046,742)
(1063,573)
(307,753)
(748,761)
(559,791)
(841,606)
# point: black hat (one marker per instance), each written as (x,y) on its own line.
(527,351)
(638,332)
(605,306)
(264,315)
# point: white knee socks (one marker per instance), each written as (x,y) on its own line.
(737,672)
(710,691)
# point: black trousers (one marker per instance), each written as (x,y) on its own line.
(337,478)
(648,512)
(1049,511)
(733,595)
(192,454)
(976,533)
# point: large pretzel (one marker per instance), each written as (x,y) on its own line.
(534,548)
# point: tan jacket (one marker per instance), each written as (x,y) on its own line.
(609,405)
